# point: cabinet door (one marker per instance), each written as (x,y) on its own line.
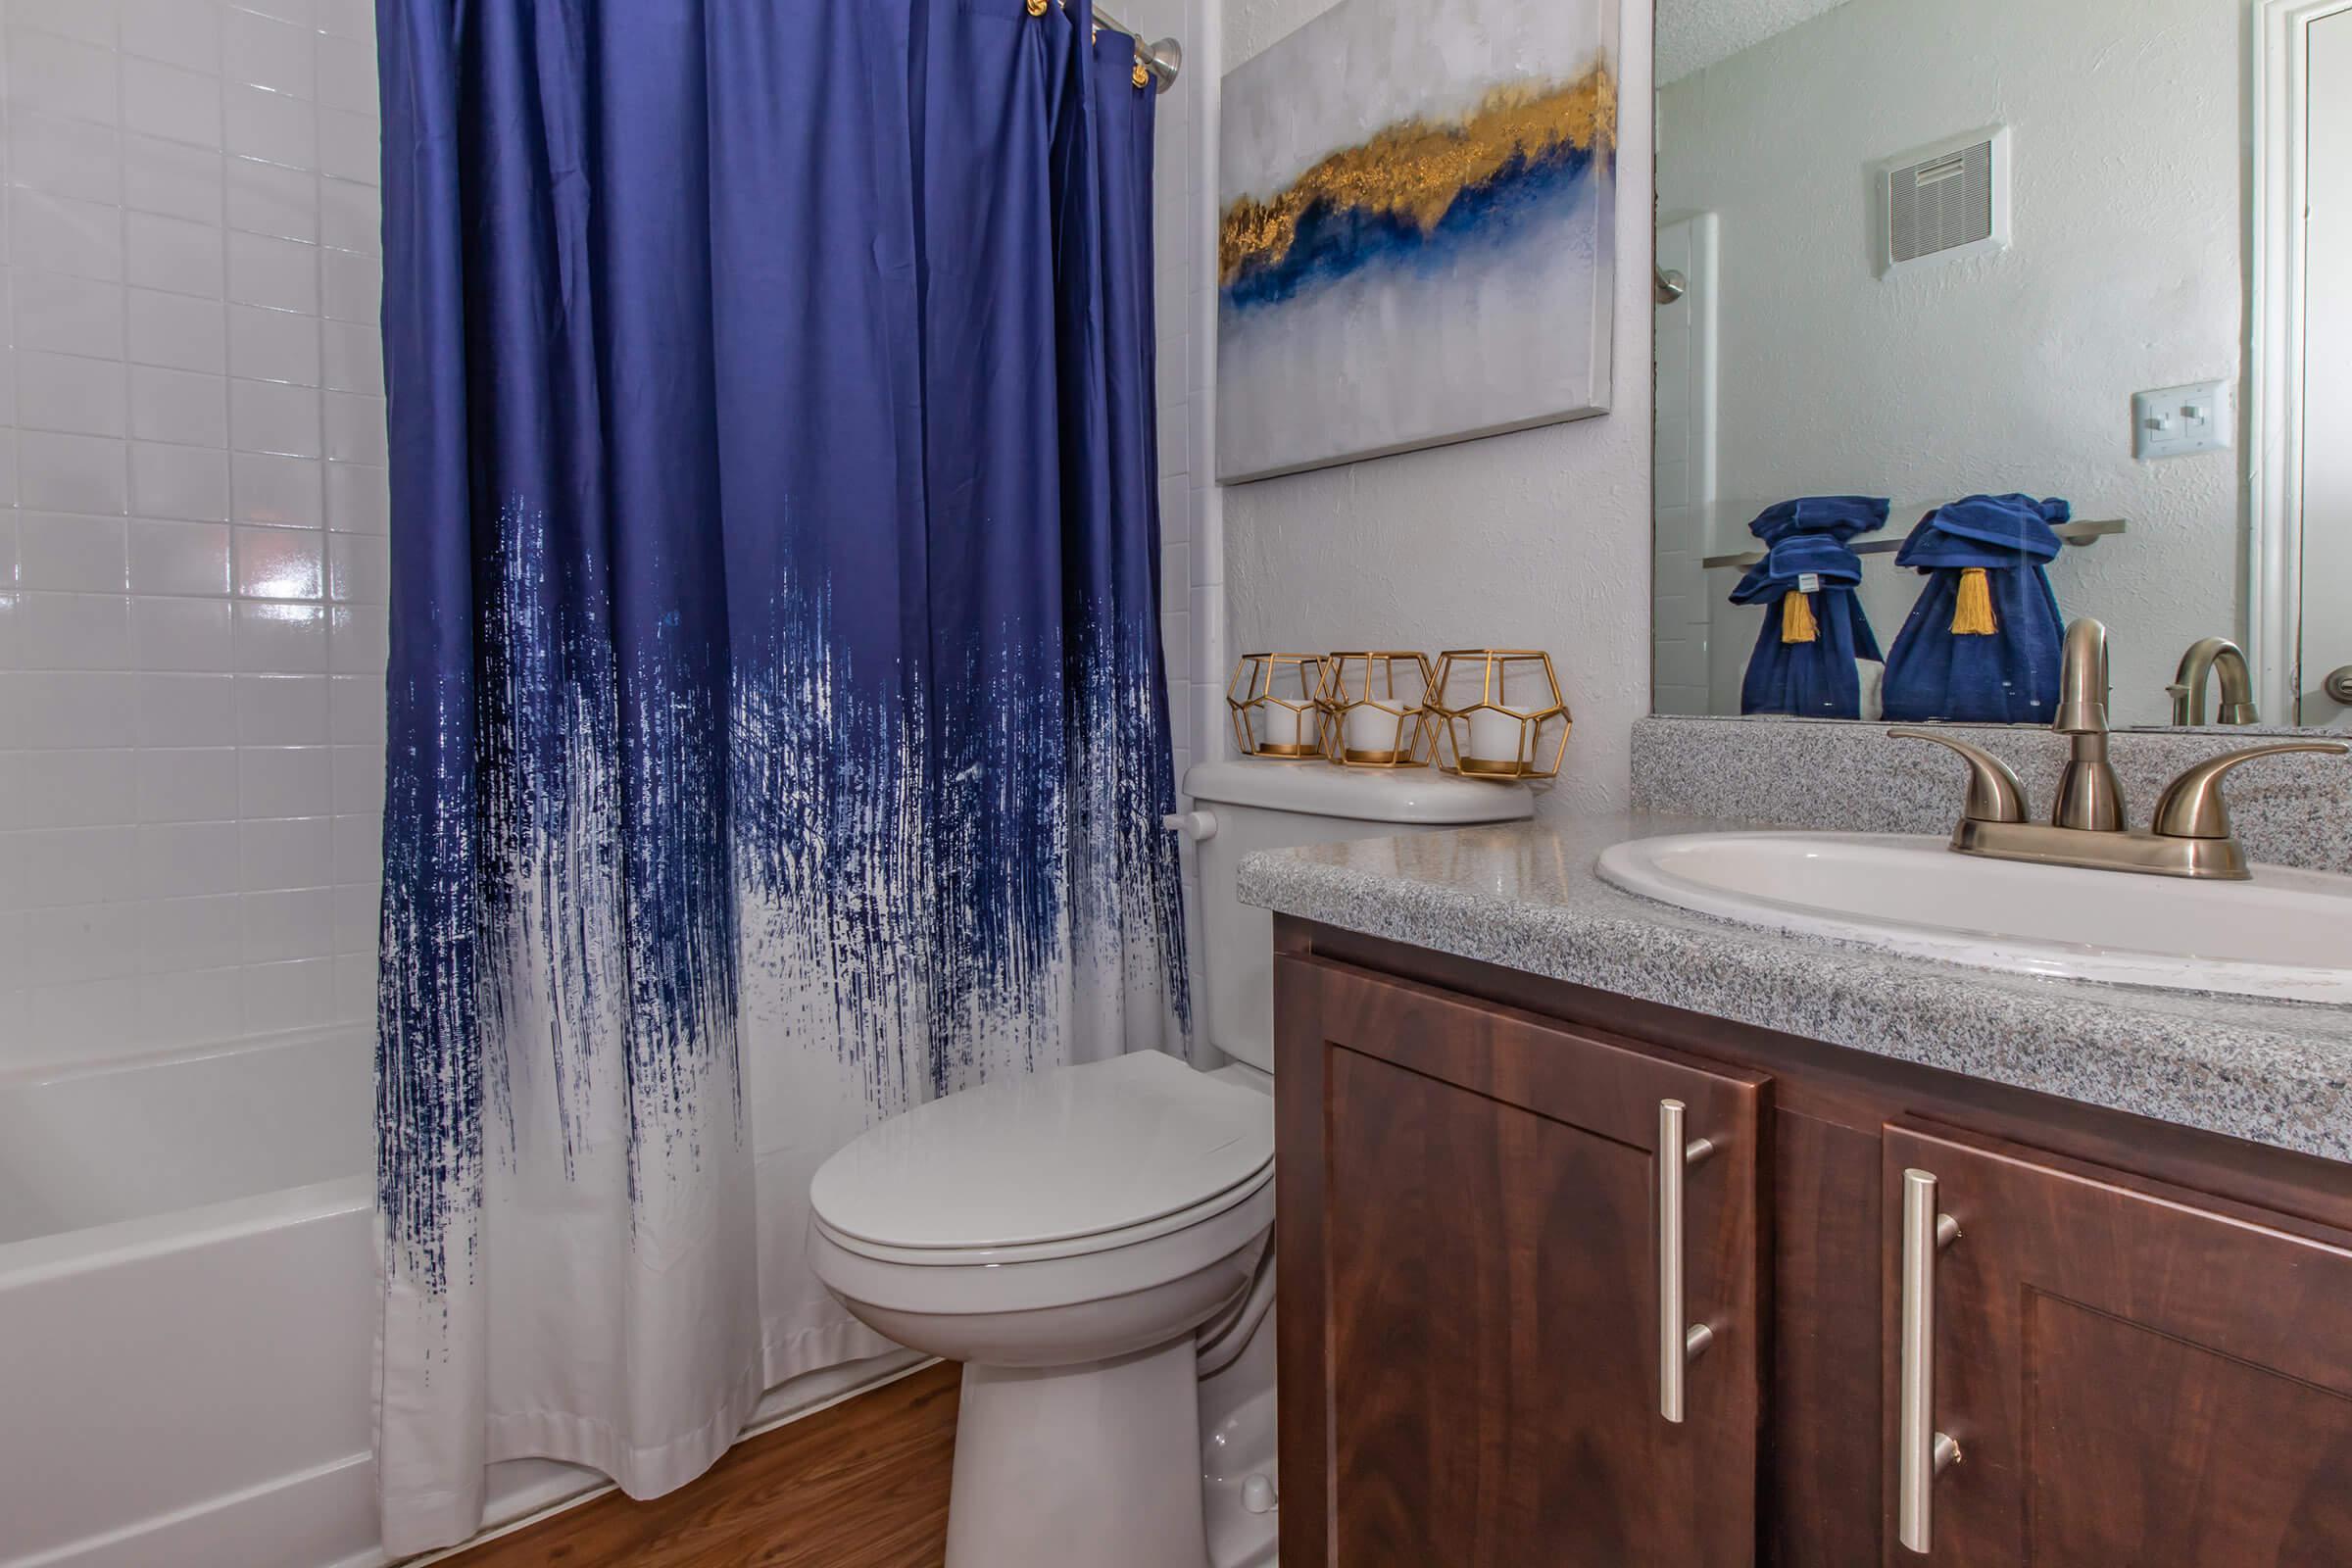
(2132,1374)
(1473,1258)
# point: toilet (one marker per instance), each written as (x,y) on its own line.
(1093,1243)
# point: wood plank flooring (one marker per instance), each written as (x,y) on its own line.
(863,1484)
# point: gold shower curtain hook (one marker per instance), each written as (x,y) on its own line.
(1037,8)
(1142,73)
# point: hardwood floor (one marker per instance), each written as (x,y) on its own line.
(863,1484)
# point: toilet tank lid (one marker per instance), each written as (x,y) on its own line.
(1420,795)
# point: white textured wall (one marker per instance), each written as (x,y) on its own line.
(2011,372)
(192,525)
(1538,539)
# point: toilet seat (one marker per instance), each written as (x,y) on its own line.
(1071,1163)
(975,1285)
(1044,1252)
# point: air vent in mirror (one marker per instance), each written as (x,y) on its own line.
(1947,201)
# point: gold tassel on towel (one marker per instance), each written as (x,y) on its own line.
(1796,618)
(1972,616)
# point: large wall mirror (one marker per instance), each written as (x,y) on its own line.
(1957,301)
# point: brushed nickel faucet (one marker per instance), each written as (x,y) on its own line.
(2189,834)
(2091,798)
(2222,658)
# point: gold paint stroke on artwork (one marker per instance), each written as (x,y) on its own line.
(1415,169)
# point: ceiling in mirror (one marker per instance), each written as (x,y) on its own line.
(1693,34)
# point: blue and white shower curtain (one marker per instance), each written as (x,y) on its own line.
(777,727)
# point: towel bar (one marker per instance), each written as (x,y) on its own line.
(2073,533)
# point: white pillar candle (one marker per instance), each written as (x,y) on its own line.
(1376,729)
(1497,737)
(1278,726)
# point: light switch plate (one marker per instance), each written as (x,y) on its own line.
(2173,422)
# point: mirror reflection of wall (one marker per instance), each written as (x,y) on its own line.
(2316,108)
(1800,361)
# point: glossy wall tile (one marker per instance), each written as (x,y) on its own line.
(193,523)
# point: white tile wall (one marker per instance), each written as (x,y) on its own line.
(1192,535)
(193,519)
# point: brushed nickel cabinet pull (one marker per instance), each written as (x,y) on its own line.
(1922,1453)
(1679,1341)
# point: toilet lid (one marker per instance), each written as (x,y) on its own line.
(1072,1152)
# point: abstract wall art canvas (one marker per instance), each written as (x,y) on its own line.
(1418,231)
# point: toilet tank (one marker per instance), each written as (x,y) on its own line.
(1270,806)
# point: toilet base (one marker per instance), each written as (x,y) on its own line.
(1095,1465)
(1237,1469)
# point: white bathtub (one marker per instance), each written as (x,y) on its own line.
(187,1311)
(188,1317)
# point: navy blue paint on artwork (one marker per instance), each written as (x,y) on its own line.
(1334,242)
(2010,677)
(775,565)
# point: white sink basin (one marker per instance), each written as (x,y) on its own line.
(2285,934)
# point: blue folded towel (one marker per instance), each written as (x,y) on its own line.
(1804,661)
(1986,651)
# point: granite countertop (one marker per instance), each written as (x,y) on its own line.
(1527,897)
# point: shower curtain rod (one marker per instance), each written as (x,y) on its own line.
(1163,60)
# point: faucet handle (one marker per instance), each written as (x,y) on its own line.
(1994,793)
(2191,805)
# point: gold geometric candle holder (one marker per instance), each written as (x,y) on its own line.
(1499,711)
(1276,701)
(1376,709)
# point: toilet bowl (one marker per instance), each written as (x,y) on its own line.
(1093,1243)
(1063,1236)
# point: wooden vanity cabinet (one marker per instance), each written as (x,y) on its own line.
(1473,1254)
(2141,1334)
(2134,1373)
